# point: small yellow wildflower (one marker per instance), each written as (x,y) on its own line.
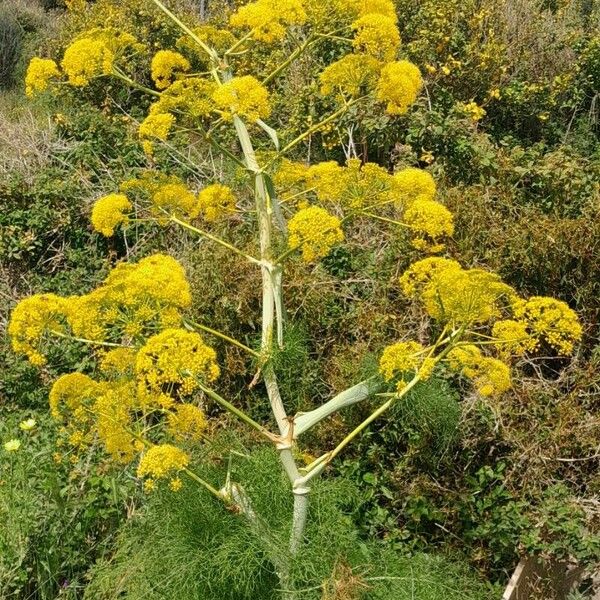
(244,96)
(377,36)
(12,445)
(399,85)
(28,424)
(175,484)
(315,232)
(216,201)
(109,212)
(400,358)
(160,461)
(473,110)
(165,65)
(39,72)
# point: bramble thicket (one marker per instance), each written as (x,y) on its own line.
(303,324)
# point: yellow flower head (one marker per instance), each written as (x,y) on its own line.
(216,201)
(513,337)
(175,359)
(161,461)
(176,199)
(12,445)
(315,231)
(156,126)
(351,75)
(219,39)
(133,298)
(268,19)
(465,296)
(39,72)
(411,183)
(109,212)
(118,363)
(399,85)
(550,320)
(244,96)
(186,422)
(70,392)
(85,59)
(27,424)
(428,218)
(328,179)
(490,376)
(165,65)
(113,411)
(400,358)
(191,96)
(418,276)
(376,35)
(30,319)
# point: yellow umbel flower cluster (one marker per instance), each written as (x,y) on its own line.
(430,220)
(376,35)
(268,19)
(160,462)
(452,294)
(490,376)
(550,320)
(351,75)
(39,73)
(175,199)
(411,183)
(513,337)
(174,360)
(85,59)
(315,232)
(368,187)
(165,65)
(69,395)
(156,125)
(400,358)
(114,422)
(118,363)
(399,85)
(133,299)
(219,39)
(31,319)
(216,201)
(191,97)
(109,212)
(244,96)
(186,422)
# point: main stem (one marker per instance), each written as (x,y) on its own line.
(272,319)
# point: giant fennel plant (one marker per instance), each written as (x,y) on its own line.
(156,368)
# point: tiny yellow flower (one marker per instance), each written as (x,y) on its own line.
(12,445)
(28,424)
